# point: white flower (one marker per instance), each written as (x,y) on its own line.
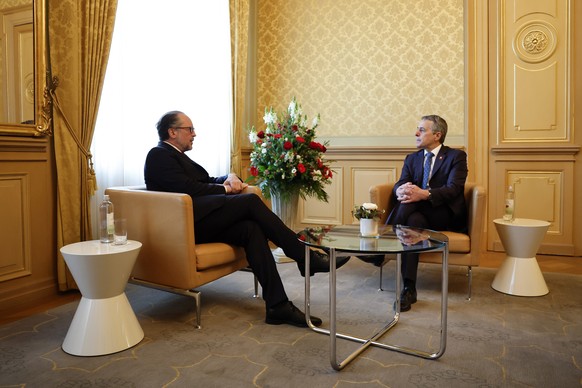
(253,137)
(292,109)
(270,117)
(315,122)
(370,206)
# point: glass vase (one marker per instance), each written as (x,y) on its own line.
(287,212)
(286,209)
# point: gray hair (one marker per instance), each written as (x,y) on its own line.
(439,125)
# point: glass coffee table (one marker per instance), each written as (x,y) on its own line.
(345,240)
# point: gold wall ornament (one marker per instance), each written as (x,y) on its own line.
(44,124)
(535,42)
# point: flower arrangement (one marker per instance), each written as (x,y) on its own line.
(367,211)
(313,234)
(286,160)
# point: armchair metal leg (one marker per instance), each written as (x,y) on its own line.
(470,278)
(256,294)
(380,288)
(190,293)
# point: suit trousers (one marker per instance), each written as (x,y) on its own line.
(420,215)
(244,220)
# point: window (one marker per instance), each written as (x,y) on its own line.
(172,55)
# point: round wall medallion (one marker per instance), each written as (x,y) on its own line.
(29,88)
(535,42)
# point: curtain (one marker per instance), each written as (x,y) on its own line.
(78,52)
(239,29)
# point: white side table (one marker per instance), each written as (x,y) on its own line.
(104,322)
(520,273)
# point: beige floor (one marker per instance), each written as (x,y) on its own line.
(561,264)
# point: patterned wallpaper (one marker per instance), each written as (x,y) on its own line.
(369,67)
(7,4)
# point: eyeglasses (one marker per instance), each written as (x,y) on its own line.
(191,129)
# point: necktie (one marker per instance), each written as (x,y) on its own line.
(426,172)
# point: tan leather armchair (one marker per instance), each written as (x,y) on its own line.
(170,259)
(464,249)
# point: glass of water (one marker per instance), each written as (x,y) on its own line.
(120,232)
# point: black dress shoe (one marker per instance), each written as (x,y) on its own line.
(407,298)
(320,263)
(286,312)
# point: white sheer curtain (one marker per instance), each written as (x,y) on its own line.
(170,55)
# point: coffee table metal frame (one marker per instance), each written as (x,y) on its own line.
(334,253)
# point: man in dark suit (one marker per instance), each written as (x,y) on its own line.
(223,214)
(429,193)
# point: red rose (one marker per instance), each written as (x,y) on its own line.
(300,139)
(287,145)
(294,128)
(315,146)
(261,134)
(277,136)
(254,171)
(327,173)
(301,168)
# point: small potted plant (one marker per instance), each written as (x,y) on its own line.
(368,214)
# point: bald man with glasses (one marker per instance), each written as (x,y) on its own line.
(222,213)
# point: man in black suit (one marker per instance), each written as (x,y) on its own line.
(223,214)
(429,193)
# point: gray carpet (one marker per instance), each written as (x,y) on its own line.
(494,340)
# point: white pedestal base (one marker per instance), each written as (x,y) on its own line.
(102,326)
(104,322)
(520,273)
(520,276)
(280,256)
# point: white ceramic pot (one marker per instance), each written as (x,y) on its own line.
(368,227)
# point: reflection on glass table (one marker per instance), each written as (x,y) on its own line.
(345,240)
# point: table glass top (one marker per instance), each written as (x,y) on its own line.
(391,239)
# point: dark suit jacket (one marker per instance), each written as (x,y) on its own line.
(167,169)
(447,182)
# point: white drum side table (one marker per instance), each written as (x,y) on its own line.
(520,273)
(104,322)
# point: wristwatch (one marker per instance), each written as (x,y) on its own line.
(429,195)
